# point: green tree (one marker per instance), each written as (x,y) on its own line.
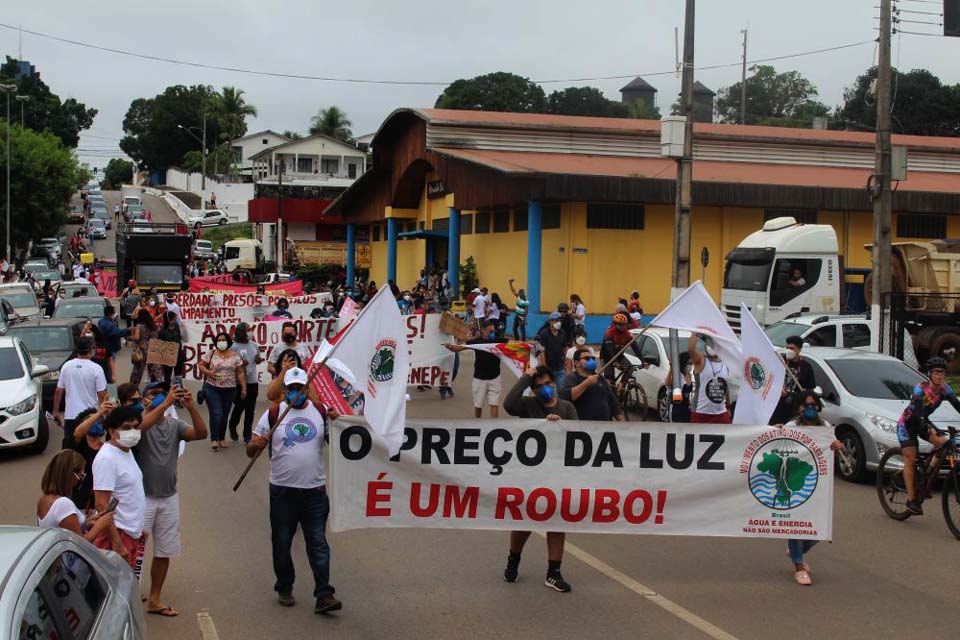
(293,135)
(498,91)
(193,160)
(43,176)
(332,122)
(118,171)
(44,110)
(232,111)
(155,139)
(589,101)
(775,99)
(922,105)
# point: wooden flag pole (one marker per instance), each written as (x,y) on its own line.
(620,353)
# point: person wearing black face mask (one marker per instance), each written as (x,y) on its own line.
(289,336)
(486,385)
(544,403)
(282,310)
(249,352)
(589,392)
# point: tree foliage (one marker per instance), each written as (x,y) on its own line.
(332,122)
(777,99)
(588,101)
(217,160)
(154,138)
(44,110)
(43,176)
(498,91)
(293,135)
(922,104)
(116,173)
(232,111)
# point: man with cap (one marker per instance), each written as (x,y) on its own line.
(479,306)
(298,492)
(83,385)
(157,454)
(249,352)
(554,342)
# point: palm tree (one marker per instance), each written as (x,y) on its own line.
(293,135)
(232,111)
(332,122)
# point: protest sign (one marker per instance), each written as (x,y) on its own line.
(244,307)
(225,283)
(591,477)
(459,329)
(162,352)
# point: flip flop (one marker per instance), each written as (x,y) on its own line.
(803,578)
(166,612)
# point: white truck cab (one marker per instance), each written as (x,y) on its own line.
(783,269)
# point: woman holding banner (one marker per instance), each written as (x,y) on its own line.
(223,373)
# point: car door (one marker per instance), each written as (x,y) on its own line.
(856,335)
(655,361)
(822,336)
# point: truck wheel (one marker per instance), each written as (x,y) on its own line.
(947,346)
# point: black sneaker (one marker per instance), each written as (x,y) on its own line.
(327,603)
(286,599)
(915,507)
(511,573)
(555,581)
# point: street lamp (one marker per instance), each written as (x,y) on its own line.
(22,100)
(8,89)
(203,161)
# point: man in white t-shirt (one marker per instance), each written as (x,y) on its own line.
(117,475)
(479,307)
(83,384)
(298,492)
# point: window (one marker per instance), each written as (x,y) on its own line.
(822,337)
(376,233)
(422,225)
(856,334)
(792,278)
(483,222)
(329,166)
(913,225)
(501,221)
(827,390)
(614,216)
(551,217)
(649,353)
(10,367)
(441,224)
(466,224)
(265,141)
(305,165)
(68,594)
(411,226)
(519,219)
(351,170)
(803,216)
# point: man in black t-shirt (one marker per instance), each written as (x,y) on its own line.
(589,392)
(486,371)
(802,373)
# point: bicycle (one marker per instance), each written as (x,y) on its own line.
(629,392)
(892,490)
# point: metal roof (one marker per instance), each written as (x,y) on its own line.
(638,84)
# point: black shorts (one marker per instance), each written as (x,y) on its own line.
(909,434)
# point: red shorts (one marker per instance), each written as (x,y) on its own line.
(710,418)
(136,548)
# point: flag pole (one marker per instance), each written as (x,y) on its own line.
(314,370)
(620,353)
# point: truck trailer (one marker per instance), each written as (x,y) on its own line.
(155,255)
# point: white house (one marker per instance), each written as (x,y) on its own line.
(253,143)
(317,158)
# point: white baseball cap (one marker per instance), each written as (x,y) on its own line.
(295,375)
(476,290)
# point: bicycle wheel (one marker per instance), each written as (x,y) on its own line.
(891,487)
(951,503)
(634,402)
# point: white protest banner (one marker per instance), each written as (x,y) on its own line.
(590,477)
(243,307)
(763,373)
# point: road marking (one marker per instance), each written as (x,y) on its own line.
(207,630)
(646,592)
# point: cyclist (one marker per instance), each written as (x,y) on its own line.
(914,423)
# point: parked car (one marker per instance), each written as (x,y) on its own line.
(100,214)
(70,289)
(819,330)
(51,342)
(90,307)
(203,249)
(52,245)
(76,215)
(22,298)
(36,264)
(58,585)
(97,228)
(39,252)
(40,277)
(133,212)
(864,394)
(209,218)
(24,423)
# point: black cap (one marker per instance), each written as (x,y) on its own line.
(85,345)
(160,384)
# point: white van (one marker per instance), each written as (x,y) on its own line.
(785,268)
(243,253)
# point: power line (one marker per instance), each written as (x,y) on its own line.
(295,76)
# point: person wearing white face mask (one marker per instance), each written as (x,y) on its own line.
(801,380)
(711,389)
(117,475)
(224,374)
(579,342)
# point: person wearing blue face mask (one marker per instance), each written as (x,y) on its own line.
(808,408)
(88,438)
(486,385)
(544,403)
(590,393)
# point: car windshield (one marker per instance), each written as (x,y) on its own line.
(86,290)
(79,309)
(41,339)
(155,274)
(40,276)
(10,368)
(99,223)
(204,244)
(19,299)
(780,331)
(876,379)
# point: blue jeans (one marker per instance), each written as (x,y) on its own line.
(219,401)
(309,508)
(561,374)
(798,548)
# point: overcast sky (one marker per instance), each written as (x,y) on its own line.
(429,40)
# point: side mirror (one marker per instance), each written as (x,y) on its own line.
(39,370)
(651,361)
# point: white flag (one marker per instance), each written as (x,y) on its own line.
(763,373)
(374,349)
(348,310)
(695,311)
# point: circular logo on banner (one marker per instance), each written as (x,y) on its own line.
(717,390)
(783,474)
(381,365)
(754,373)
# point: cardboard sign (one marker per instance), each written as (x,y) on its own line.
(86,258)
(453,325)
(162,352)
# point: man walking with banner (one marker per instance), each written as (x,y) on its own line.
(763,373)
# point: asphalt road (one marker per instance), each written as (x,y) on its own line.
(878,579)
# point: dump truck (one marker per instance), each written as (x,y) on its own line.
(155,255)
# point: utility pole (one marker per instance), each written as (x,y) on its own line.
(681,238)
(22,100)
(8,89)
(280,243)
(882,196)
(743,81)
(203,166)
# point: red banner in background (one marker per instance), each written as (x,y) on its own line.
(106,283)
(224,283)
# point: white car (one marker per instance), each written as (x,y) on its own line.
(209,218)
(22,298)
(58,585)
(822,330)
(23,423)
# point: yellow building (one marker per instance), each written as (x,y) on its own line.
(566,204)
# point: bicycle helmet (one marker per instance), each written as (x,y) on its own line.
(620,318)
(936,362)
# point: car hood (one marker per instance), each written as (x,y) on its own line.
(891,409)
(13,391)
(52,359)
